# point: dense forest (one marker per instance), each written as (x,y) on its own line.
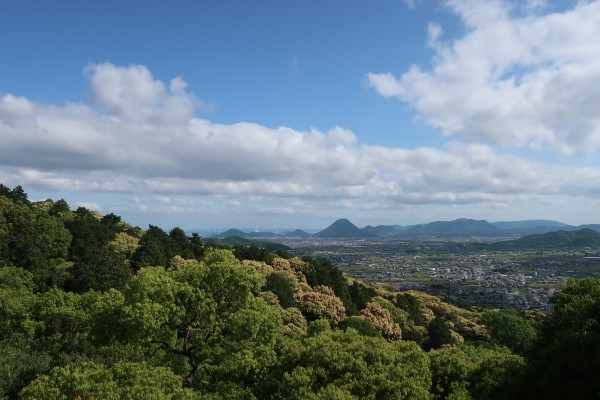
(94,308)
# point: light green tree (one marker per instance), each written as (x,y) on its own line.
(20,359)
(208,313)
(476,372)
(123,381)
(347,365)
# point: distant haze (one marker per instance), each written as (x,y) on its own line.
(459,228)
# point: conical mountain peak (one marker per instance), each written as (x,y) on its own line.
(343,228)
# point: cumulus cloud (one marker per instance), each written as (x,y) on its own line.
(133,95)
(519,77)
(136,134)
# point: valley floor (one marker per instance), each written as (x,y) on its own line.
(464,271)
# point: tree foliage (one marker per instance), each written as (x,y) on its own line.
(89,380)
(89,234)
(510,330)
(59,207)
(33,240)
(157,248)
(91,307)
(566,359)
(16,194)
(284,285)
(352,366)
(476,372)
(321,271)
(381,319)
(322,303)
(208,313)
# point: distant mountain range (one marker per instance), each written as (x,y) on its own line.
(529,224)
(381,230)
(559,239)
(297,233)
(459,227)
(462,227)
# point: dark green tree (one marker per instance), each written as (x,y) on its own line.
(15,194)
(361,294)
(253,252)
(284,285)
(361,325)
(60,206)
(439,334)
(31,238)
(196,246)
(157,248)
(181,245)
(4,190)
(89,234)
(321,271)
(566,360)
(100,269)
(498,374)
(18,193)
(510,330)
(112,221)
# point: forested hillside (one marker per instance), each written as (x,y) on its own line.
(92,307)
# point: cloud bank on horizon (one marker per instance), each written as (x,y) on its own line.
(534,90)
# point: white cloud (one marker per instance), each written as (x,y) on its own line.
(128,127)
(517,78)
(124,138)
(133,95)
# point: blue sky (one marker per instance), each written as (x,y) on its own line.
(217,114)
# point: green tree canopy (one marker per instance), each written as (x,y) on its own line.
(476,372)
(32,239)
(89,234)
(321,271)
(566,364)
(60,206)
(17,193)
(131,381)
(352,366)
(510,330)
(209,313)
(157,248)
(284,285)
